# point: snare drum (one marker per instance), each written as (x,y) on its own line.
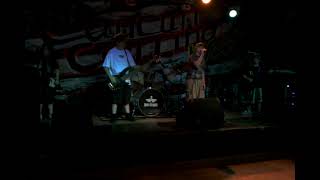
(150,102)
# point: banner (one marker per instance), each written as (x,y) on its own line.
(189,20)
(167,45)
(134,52)
(148,49)
(65,68)
(149,26)
(178,22)
(97,5)
(157,29)
(193,37)
(166,23)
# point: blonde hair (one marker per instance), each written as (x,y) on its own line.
(193,47)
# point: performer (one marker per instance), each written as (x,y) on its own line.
(254,75)
(196,74)
(117,60)
(49,77)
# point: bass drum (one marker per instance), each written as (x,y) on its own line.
(149,102)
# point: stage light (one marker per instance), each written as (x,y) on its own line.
(206,1)
(233,13)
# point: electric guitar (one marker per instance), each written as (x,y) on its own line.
(121,78)
(126,74)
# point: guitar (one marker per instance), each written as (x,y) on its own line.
(125,75)
(52,83)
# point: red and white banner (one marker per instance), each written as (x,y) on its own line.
(120,21)
(166,23)
(182,41)
(96,5)
(178,22)
(156,10)
(193,37)
(131,3)
(148,48)
(150,31)
(167,45)
(134,52)
(189,20)
(150,25)
(65,68)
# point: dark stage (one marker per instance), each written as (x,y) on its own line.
(154,146)
(205,90)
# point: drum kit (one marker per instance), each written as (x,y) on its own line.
(157,90)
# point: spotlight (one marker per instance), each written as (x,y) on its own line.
(206,1)
(233,13)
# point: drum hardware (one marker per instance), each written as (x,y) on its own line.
(155,90)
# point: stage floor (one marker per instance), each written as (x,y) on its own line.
(157,140)
(265,170)
(142,124)
(282,169)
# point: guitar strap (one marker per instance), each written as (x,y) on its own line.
(127,60)
(127,57)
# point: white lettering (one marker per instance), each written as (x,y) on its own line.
(150,104)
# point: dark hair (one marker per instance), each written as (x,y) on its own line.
(51,58)
(120,37)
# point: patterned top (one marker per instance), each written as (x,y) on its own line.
(195,72)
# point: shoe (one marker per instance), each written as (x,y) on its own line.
(130,117)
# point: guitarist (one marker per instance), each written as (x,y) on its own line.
(49,76)
(253,77)
(117,60)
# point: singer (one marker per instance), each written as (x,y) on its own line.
(196,75)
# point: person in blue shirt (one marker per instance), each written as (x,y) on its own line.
(116,61)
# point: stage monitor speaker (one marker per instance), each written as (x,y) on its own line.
(204,113)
